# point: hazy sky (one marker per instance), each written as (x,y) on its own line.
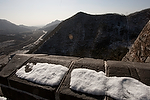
(41,12)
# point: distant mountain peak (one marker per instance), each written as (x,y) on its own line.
(53,23)
(9,27)
(82,13)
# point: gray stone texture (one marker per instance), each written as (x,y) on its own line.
(11,67)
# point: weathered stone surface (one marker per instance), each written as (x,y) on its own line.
(14,94)
(17,61)
(66,93)
(117,68)
(62,60)
(11,67)
(47,92)
(33,88)
(143,71)
(139,71)
(3,60)
(33,55)
(140,50)
(148,60)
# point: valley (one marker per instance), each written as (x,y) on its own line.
(19,38)
(13,42)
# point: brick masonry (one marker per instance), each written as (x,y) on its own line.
(14,87)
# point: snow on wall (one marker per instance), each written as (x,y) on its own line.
(96,83)
(3,98)
(42,73)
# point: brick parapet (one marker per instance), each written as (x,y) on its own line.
(13,87)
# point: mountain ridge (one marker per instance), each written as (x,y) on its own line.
(9,27)
(106,36)
(52,25)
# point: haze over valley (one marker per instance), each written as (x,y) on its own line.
(20,38)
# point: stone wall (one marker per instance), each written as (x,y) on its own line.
(16,88)
(140,50)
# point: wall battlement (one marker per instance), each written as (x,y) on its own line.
(16,88)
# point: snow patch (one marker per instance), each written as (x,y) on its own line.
(42,73)
(96,83)
(3,98)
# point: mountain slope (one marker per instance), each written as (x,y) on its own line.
(8,27)
(99,36)
(137,21)
(51,26)
(29,27)
(140,50)
(14,37)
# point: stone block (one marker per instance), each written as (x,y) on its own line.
(47,92)
(11,67)
(65,93)
(143,71)
(14,87)
(14,94)
(139,71)
(43,91)
(62,60)
(4,60)
(118,68)
(122,69)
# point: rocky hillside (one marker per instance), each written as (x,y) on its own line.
(140,50)
(137,21)
(105,36)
